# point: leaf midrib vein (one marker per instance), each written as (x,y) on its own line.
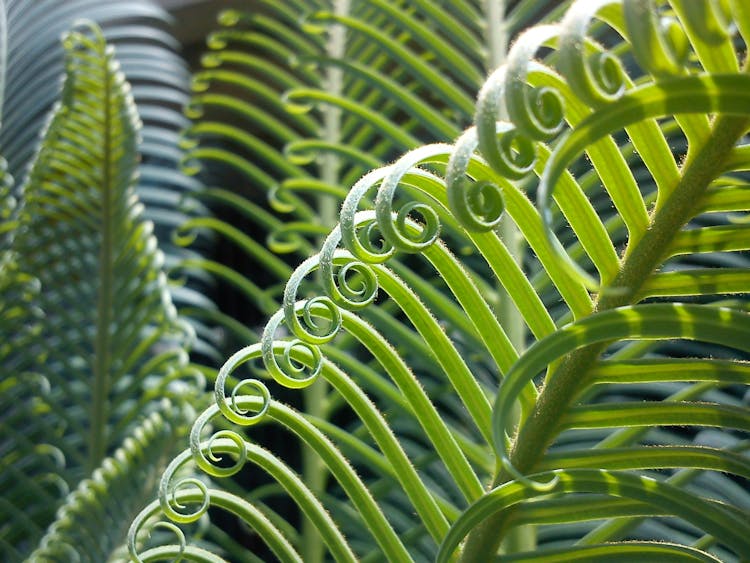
(102,346)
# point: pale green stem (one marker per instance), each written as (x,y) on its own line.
(334,78)
(316,396)
(521,538)
(497,33)
(103,338)
(3,52)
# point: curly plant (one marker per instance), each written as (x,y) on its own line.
(617,428)
(565,443)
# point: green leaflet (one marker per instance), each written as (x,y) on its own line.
(650,491)
(711,324)
(644,551)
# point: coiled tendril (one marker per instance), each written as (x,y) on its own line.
(278,200)
(230,409)
(536,112)
(200,82)
(203,453)
(659,43)
(286,239)
(169,486)
(284,369)
(478,206)
(171,506)
(321,316)
(138,523)
(597,77)
(393,225)
(357,235)
(511,155)
(348,282)
(411,240)
(370,236)
(190,165)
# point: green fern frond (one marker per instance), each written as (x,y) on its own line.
(81,224)
(149,58)
(109,343)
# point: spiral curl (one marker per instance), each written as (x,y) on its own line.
(310,311)
(231,409)
(659,43)
(181,540)
(393,224)
(512,155)
(537,113)
(478,206)
(278,200)
(193,110)
(284,369)
(230,18)
(169,487)
(301,152)
(189,165)
(286,239)
(184,235)
(199,83)
(368,236)
(349,283)
(349,224)
(205,457)
(597,77)
(140,520)
(294,107)
(225,443)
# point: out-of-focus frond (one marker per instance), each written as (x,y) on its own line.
(108,345)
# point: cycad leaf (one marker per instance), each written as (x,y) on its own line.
(110,336)
(148,53)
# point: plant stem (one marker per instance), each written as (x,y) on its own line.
(497,51)
(103,337)
(316,396)
(521,538)
(562,387)
(3,52)
(497,33)
(333,84)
